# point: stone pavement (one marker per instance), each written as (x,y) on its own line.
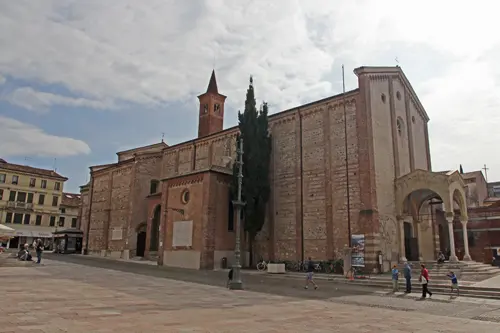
(66,297)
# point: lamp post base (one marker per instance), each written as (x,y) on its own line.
(236,285)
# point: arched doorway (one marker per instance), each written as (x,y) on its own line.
(155,230)
(141,239)
(416,193)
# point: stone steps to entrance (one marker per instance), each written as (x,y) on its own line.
(382,282)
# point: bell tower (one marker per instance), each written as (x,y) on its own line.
(211,116)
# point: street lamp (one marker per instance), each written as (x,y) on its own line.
(238,204)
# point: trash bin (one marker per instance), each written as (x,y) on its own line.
(223,263)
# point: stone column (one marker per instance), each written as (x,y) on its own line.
(402,250)
(466,239)
(453,255)
(419,238)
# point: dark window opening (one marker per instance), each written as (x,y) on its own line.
(21,197)
(30,198)
(153,187)
(8,218)
(38,220)
(27,218)
(73,222)
(18,218)
(52,221)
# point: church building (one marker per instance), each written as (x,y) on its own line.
(171,203)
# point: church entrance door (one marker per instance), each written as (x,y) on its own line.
(141,243)
(411,243)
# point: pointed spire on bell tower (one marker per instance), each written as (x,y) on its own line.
(212,85)
(211,116)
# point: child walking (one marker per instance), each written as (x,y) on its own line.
(395,277)
(454,283)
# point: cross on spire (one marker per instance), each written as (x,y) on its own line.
(486,172)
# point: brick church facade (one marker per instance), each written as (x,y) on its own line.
(171,203)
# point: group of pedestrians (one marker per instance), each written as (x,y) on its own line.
(25,255)
(423,279)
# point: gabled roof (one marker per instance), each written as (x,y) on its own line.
(133,150)
(30,170)
(381,70)
(71,199)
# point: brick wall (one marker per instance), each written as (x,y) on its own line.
(146,169)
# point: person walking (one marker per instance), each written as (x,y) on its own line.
(407,275)
(310,272)
(395,279)
(424,280)
(39,250)
(454,283)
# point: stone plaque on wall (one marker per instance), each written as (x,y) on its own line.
(183,233)
(117,234)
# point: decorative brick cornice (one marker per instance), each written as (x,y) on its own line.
(283,120)
(122,170)
(185,180)
(380,77)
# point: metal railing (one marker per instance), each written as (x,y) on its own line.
(20,205)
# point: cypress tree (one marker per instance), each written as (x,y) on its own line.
(254,130)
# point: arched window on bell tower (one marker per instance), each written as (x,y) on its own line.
(211,114)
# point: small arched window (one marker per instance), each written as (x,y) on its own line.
(154,186)
(400,126)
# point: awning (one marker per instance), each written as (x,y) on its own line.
(6,231)
(32,231)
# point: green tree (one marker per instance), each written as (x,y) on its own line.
(253,126)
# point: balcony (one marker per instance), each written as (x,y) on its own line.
(19,205)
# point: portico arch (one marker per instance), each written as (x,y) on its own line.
(413,191)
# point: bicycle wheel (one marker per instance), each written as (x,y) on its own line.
(261,266)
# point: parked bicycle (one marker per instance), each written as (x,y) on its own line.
(262,265)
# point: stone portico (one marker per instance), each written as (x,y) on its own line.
(416,195)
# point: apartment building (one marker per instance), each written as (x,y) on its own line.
(30,200)
(69,217)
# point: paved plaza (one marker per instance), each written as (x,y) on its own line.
(63,296)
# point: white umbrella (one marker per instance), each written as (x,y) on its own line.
(6,231)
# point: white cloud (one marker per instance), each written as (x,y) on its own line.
(160,51)
(40,102)
(2,80)
(20,139)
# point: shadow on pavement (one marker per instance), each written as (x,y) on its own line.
(274,285)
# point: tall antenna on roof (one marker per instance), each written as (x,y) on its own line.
(162,137)
(55,165)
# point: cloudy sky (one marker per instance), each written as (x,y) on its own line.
(82,79)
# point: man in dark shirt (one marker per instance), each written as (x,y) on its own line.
(310,271)
(39,250)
